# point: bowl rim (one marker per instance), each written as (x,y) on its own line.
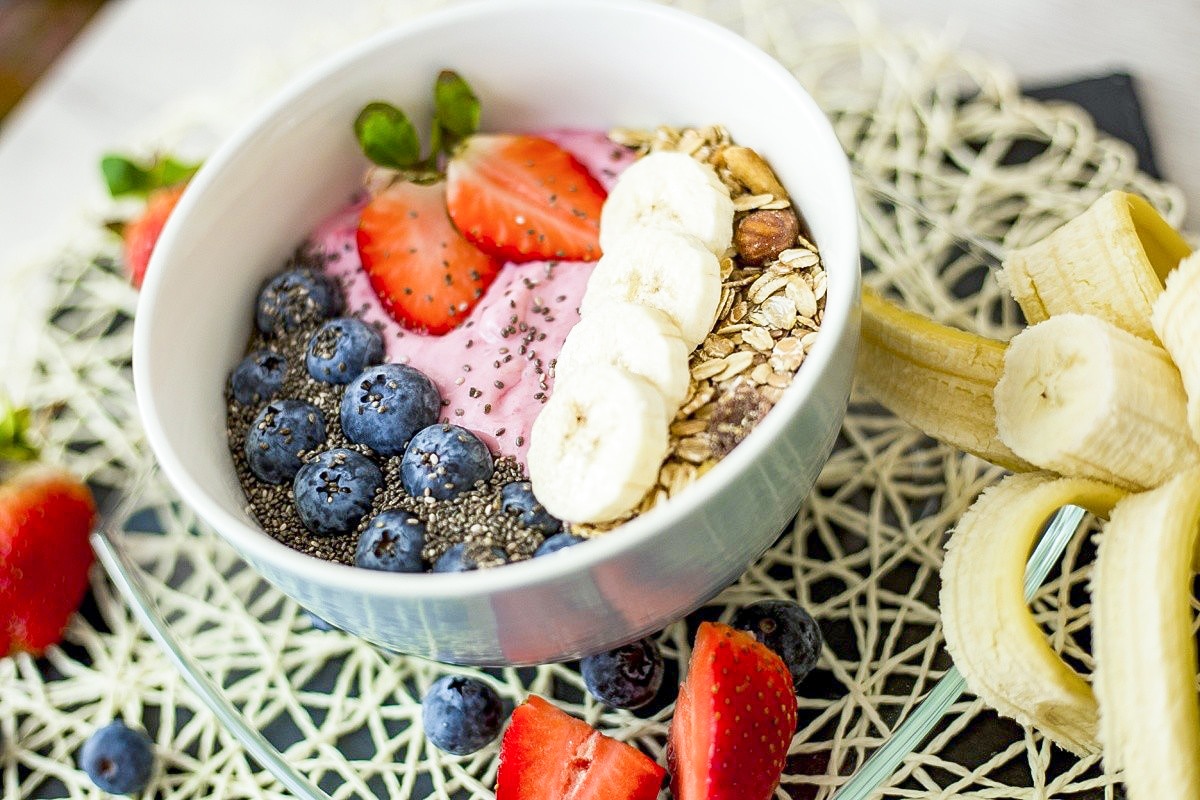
(260,547)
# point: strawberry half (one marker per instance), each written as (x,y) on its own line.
(426,274)
(46,516)
(733,721)
(547,754)
(141,233)
(524,198)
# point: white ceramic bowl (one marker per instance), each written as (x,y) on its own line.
(535,64)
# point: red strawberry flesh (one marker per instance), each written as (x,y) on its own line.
(547,754)
(426,275)
(734,719)
(141,234)
(524,198)
(46,516)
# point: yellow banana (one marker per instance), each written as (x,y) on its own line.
(1176,320)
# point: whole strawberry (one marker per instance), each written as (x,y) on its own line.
(161,182)
(46,515)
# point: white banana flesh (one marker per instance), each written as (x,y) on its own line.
(597,445)
(1144,646)
(661,268)
(1109,262)
(1176,320)
(1081,397)
(937,378)
(639,339)
(669,190)
(990,630)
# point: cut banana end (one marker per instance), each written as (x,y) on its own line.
(1082,397)
(636,338)
(1145,654)
(1176,320)
(597,445)
(990,630)
(1109,261)
(669,190)
(937,378)
(663,269)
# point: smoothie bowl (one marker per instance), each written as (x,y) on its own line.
(310,379)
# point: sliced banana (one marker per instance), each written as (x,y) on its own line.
(663,269)
(990,631)
(597,445)
(639,339)
(669,190)
(937,378)
(1082,397)
(1109,261)
(1176,320)
(1145,651)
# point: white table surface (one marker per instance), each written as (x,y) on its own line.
(140,55)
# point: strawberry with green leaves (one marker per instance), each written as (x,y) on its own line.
(161,182)
(46,515)
(502,197)
(734,719)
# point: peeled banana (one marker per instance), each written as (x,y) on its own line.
(1109,261)
(1082,397)
(1176,320)
(937,378)
(1145,652)
(990,630)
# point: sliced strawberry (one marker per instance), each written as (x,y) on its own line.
(734,719)
(45,518)
(524,198)
(426,274)
(547,754)
(141,233)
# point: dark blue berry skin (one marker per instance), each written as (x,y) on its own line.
(258,377)
(460,714)
(558,541)
(341,348)
(281,430)
(457,559)
(517,498)
(786,628)
(385,405)
(443,460)
(335,490)
(626,677)
(392,542)
(294,298)
(118,759)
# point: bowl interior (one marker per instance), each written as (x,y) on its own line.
(534,64)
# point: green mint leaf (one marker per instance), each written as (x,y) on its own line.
(386,136)
(124,177)
(169,171)
(456,108)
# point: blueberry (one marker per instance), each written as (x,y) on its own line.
(335,490)
(341,348)
(443,460)
(385,405)
(392,542)
(294,298)
(118,759)
(460,558)
(277,436)
(258,377)
(626,677)
(786,628)
(557,542)
(461,714)
(517,498)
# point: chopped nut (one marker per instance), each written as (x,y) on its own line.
(764,234)
(752,171)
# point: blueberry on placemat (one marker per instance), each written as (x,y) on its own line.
(624,677)
(118,759)
(385,405)
(258,377)
(461,714)
(294,298)
(278,434)
(517,498)
(342,348)
(786,628)
(335,490)
(444,460)
(391,542)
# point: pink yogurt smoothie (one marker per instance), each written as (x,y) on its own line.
(493,371)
